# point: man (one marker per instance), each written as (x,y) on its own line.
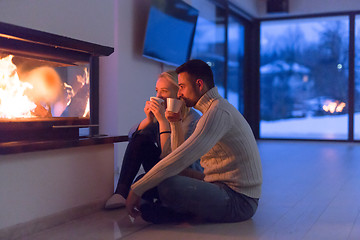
(231,187)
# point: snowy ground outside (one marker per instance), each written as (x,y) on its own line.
(326,127)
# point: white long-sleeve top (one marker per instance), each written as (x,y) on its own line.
(227,147)
(180,131)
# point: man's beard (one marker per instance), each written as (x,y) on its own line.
(192,102)
(188,102)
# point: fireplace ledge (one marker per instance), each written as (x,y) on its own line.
(32,146)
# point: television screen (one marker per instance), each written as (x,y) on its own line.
(170,31)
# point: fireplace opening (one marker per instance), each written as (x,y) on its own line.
(48,86)
(30,88)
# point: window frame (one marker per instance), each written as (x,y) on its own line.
(251,85)
(351,81)
(247,21)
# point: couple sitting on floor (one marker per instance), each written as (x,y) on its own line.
(175,188)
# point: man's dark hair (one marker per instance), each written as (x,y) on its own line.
(198,69)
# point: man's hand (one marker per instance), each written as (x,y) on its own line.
(173,117)
(133,204)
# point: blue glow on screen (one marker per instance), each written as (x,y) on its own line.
(168,38)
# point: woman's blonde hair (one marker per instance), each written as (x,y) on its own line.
(172,77)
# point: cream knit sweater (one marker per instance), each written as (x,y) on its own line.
(226,145)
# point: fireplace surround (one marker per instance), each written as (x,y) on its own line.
(58,80)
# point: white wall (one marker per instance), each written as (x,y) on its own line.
(38,184)
(88,20)
(126,80)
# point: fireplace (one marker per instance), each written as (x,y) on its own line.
(48,87)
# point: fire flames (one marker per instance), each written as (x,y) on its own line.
(39,93)
(13,101)
(84,80)
(334,107)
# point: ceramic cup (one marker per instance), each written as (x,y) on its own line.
(159,100)
(173,104)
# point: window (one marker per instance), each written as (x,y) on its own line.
(209,40)
(220,41)
(357,80)
(304,78)
(235,70)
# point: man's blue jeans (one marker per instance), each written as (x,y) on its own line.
(210,202)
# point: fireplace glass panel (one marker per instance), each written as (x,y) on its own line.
(35,88)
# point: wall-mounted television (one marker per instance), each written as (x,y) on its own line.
(170,31)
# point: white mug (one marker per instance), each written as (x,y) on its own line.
(173,104)
(159,100)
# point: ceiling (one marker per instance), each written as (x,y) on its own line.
(257,8)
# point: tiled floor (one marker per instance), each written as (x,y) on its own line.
(311,190)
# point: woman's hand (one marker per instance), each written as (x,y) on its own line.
(158,110)
(149,117)
(149,114)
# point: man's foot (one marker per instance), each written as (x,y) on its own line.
(115,201)
(155,213)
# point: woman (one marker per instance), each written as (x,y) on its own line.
(154,138)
